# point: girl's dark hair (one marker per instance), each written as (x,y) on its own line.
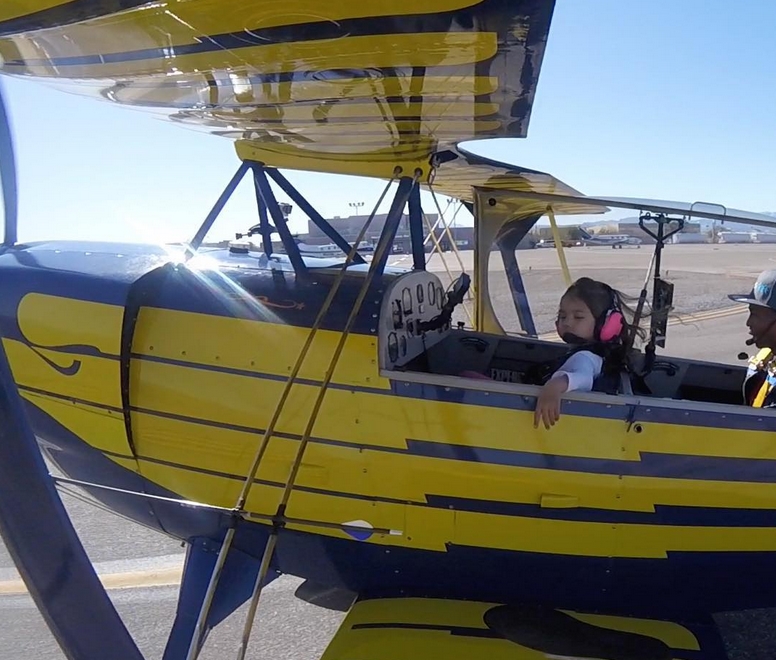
(600,298)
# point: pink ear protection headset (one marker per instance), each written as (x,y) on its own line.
(609,326)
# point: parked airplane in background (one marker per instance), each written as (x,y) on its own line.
(329,249)
(615,240)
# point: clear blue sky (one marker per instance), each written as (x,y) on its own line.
(672,99)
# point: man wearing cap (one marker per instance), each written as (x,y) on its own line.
(760,383)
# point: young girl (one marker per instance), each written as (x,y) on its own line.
(590,313)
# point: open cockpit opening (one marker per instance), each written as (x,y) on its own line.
(409,348)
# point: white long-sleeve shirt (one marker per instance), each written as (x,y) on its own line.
(582,368)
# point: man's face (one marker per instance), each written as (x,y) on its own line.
(762,326)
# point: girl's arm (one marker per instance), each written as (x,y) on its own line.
(581,370)
(577,373)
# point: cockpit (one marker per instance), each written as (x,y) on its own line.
(418,339)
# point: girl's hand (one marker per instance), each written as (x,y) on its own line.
(548,402)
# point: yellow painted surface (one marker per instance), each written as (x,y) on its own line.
(16,8)
(179,22)
(204,389)
(416,628)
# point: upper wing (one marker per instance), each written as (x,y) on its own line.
(426,629)
(326,77)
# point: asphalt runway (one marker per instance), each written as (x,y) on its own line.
(288,628)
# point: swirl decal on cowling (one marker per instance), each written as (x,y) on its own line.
(65,333)
(71,370)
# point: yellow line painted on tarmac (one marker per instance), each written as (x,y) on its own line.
(154,578)
(709,315)
(686,319)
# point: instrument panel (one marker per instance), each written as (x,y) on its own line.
(410,300)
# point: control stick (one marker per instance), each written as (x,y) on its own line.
(454,298)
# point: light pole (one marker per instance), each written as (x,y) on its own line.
(356,206)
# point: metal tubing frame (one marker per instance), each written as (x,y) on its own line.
(197,638)
(507,245)
(519,295)
(196,242)
(266,231)
(416,230)
(9,179)
(298,199)
(265,190)
(559,246)
(391,226)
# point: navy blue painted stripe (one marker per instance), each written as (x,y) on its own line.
(238,293)
(664,514)
(70,399)
(235,371)
(666,466)
(506,400)
(707,418)
(211,423)
(186,419)
(206,471)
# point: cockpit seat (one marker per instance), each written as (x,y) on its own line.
(607,384)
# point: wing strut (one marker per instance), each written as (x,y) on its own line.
(8,176)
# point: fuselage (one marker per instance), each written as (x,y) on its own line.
(153,376)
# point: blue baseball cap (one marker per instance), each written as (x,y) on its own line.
(762,294)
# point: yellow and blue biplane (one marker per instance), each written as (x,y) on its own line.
(288,414)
